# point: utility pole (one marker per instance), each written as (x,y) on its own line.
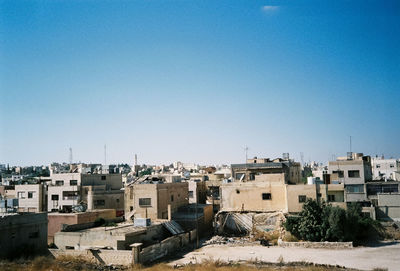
(246,150)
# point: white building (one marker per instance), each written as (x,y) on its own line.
(31,197)
(384,169)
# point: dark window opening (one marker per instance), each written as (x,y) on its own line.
(354,174)
(103,177)
(145,202)
(54,197)
(266,196)
(302,198)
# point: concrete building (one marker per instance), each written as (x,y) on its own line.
(259,168)
(31,197)
(70,189)
(23,234)
(197,192)
(388,207)
(385,169)
(273,194)
(353,171)
(56,221)
(151,199)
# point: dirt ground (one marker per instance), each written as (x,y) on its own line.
(385,255)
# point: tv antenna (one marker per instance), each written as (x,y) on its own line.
(105,154)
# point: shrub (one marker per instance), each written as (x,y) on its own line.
(322,222)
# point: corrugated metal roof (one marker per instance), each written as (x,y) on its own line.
(173,227)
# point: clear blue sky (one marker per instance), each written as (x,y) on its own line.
(196,81)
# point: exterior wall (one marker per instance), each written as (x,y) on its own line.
(56,220)
(113,199)
(62,199)
(161,195)
(293,193)
(33,204)
(362,166)
(111,181)
(197,192)
(388,207)
(248,196)
(23,233)
(385,168)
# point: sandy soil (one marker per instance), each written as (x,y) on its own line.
(386,255)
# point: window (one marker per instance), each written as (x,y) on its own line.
(378,166)
(100,202)
(73,182)
(266,196)
(21,195)
(190,194)
(103,177)
(354,173)
(145,202)
(391,165)
(358,188)
(252,176)
(237,191)
(172,197)
(239,176)
(302,198)
(131,208)
(117,200)
(59,182)
(31,195)
(340,173)
(331,197)
(54,197)
(319,195)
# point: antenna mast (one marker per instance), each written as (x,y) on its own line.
(70,155)
(246,150)
(105,154)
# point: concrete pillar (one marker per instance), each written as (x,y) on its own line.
(169,212)
(90,198)
(136,248)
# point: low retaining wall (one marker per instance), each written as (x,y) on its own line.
(127,257)
(337,245)
(164,248)
(103,256)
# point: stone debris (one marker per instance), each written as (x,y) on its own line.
(222,240)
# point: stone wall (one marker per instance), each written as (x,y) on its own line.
(112,257)
(338,245)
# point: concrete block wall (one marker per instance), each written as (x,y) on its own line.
(114,257)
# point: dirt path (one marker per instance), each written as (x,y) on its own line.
(364,258)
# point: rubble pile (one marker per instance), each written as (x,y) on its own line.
(222,240)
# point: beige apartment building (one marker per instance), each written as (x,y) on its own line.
(151,200)
(271,193)
(97,191)
(31,197)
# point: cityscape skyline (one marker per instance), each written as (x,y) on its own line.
(197,82)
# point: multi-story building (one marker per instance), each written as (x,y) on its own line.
(353,171)
(97,191)
(154,198)
(31,197)
(273,194)
(385,169)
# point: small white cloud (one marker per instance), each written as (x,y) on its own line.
(269,8)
